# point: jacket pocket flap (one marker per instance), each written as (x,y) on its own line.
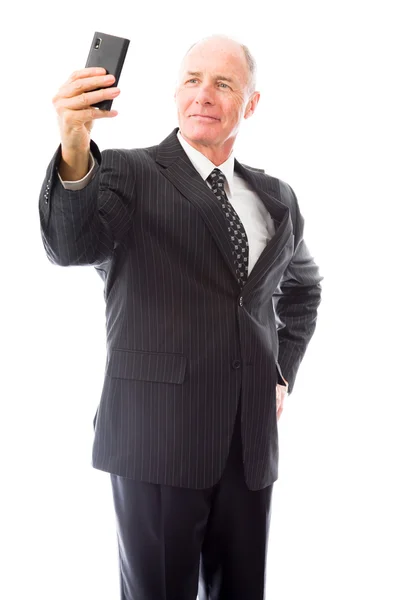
(147,366)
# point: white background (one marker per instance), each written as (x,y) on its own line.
(327,123)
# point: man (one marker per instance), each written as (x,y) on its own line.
(211,299)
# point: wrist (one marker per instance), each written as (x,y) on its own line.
(74,165)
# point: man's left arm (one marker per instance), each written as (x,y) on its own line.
(297,297)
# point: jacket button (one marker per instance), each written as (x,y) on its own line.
(241,301)
(236,364)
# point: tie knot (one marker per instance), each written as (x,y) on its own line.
(216,178)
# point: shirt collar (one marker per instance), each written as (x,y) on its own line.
(204,166)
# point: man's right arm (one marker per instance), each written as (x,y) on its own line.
(82,220)
(83,227)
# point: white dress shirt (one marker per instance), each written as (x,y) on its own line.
(256,220)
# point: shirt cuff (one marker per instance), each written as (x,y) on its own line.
(80,183)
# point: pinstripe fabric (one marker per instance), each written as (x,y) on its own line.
(183,340)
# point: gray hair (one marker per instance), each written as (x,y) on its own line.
(251,63)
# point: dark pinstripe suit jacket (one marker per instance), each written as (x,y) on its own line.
(183,339)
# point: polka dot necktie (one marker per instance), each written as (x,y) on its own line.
(240,244)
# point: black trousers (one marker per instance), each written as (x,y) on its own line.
(175,543)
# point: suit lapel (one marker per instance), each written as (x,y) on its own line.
(179,170)
(182,174)
(279,212)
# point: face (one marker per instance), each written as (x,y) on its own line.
(211,95)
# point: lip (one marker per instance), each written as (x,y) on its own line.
(204,117)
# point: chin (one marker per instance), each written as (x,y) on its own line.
(193,129)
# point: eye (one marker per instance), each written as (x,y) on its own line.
(222,83)
(194,79)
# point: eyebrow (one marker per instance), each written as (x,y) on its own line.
(198,73)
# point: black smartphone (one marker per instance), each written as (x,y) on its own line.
(107,51)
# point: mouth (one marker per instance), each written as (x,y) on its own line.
(204,118)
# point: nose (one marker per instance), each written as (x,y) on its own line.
(204,95)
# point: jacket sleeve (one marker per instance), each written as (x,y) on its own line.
(83,227)
(297,298)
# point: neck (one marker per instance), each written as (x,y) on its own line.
(216,154)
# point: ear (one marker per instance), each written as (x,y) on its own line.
(252,104)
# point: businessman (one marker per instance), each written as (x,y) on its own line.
(211,300)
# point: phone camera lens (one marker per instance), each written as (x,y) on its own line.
(97,44)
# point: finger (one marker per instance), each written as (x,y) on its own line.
(71,89)
(86,72)
(101,114)
(86,99)
(83,116)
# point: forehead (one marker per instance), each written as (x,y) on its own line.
(222,61)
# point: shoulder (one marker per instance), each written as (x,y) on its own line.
(278,188)
(129,155)
(138,162)
(253,169)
